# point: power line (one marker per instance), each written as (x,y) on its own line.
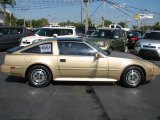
(96,9)
(115,6)
(135,8)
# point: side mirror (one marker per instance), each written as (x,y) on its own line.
(97,55)
(0,34)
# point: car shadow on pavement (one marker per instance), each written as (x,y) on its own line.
(16,79)
(90,83)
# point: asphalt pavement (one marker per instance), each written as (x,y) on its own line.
(78,100)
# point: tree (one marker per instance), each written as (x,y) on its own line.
(10,19)
(123,24)
(20,22)
(4,3)
(107,23)
(156,26)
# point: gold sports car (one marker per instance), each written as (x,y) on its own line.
(72,59)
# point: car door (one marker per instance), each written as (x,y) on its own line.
(77,59)
(5,38)
(17,34)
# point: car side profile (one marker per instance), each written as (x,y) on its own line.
(76,60)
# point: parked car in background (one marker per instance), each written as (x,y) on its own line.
(132,38)
(46,32)
(149,45)
(89,33)
(10,36)
(117,26)
(110,39)
(57,60)
(34,30)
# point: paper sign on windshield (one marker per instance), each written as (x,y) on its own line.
(45,48)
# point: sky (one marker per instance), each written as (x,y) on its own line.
(63,10)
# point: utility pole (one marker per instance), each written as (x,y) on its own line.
(86,15)
(10,19)
(81,10)
(104,12)
(24,22)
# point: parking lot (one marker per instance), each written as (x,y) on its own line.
(78,100)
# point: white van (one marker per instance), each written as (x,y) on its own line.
(47,32)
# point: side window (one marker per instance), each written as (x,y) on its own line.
(67,32)
(118,27)
(112,26)
(122,33)
(116,33)
(45,32)
(55,31)
(102,34)
(45,48)
(139,35)
(5,31)
(74,48)
(16,31)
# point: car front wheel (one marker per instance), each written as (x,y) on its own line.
(133,76)
(39,76)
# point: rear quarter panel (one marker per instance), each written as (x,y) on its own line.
(23,62)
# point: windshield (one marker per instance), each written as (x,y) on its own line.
(98,49)
(105,34)
(152,36)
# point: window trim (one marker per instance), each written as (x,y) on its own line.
(78,43)
(51,53)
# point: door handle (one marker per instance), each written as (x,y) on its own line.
(62,60)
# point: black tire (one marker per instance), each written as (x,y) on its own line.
(133,76)
(39,76)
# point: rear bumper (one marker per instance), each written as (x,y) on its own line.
(12,70)
(5,69)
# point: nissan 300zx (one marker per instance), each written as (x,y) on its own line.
(76,60)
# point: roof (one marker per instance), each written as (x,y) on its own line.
(67,27)
(69,39)
(153,31)
(109,29)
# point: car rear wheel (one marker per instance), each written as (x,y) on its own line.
(133,76)
(39,76)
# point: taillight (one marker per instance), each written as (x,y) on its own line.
(30,34)
(134,39)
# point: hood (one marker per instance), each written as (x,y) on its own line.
(97,39)
(149,41)
(124,55)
